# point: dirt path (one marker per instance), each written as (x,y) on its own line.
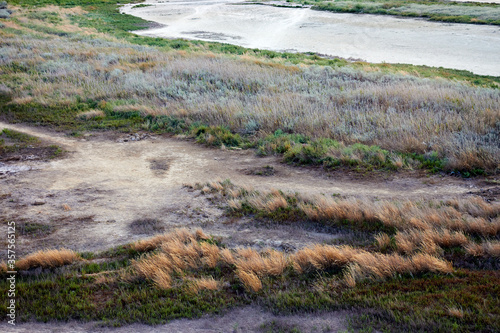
(91,198)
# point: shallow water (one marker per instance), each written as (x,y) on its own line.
(374,38)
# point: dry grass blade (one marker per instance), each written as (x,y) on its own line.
(250,281)
(205,284)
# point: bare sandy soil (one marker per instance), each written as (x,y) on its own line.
(247,319)
(374,38)
(97,195)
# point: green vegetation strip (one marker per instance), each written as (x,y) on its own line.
(442,11)
(13,143)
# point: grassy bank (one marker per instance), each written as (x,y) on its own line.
(455,12)
(76,78)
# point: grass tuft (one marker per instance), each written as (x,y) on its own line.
(47,259)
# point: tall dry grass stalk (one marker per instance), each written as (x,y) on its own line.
(47,259)
(250,280)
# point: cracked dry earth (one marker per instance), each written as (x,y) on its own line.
(92,198)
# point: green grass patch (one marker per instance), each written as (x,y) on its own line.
(461,302)
(301,150)
(18,137)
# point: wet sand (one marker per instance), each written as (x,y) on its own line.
(374,38)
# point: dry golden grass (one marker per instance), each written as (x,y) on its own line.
(383,241)
(321,257)
(217,186)
(275,262)
(234,204)
(403,244)
(250,281)
(488,248)
(199,234)
(211,254)
(47,259)
(181,252)
(453,218)
(275,202)
(227,257)
(147,267)
(163,279)
(205,284)
(424,262)
(249,260)
(428,240)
